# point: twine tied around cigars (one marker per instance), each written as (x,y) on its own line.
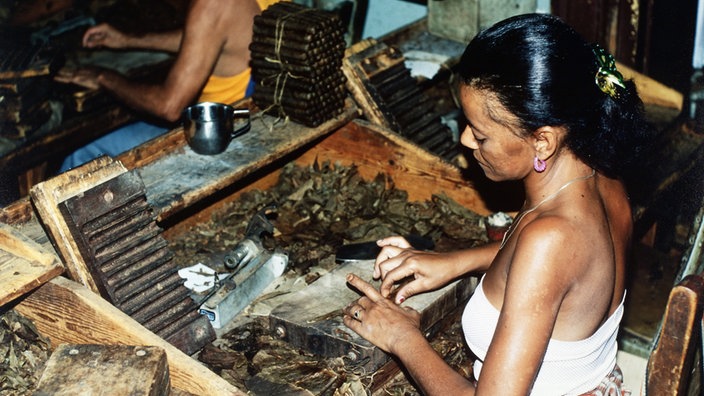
(296,63)
(280,83)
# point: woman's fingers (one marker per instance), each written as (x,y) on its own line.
(391,247)
(397,241)
(385,261)
(364,287)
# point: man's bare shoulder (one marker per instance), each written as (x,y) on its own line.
(225,9)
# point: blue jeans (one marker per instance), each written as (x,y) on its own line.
(114,143)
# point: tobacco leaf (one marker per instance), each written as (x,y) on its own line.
(24,352)
(319,208)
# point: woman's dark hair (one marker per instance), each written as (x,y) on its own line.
(543,72)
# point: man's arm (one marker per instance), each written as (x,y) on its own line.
(104,35)
(204,36)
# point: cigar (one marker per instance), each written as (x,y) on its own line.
(266,43)
(266,67)
(301,95)
(307,85)
(300,107)
(323,67)
(311,15)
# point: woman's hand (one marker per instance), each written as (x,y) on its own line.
(378,319)
(398,262)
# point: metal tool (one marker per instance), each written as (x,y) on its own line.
(369,250)
(251,245)
(253,269)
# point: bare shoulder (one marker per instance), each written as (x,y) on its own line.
(550,238)
(231,12)
(224,26)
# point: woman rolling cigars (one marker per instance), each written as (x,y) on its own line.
(548,109)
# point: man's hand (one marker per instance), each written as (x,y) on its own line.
(104,35)
(85,77)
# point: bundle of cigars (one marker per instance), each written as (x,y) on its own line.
(296,59)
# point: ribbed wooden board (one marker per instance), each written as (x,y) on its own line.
(46,197)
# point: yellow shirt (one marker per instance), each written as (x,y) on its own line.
(230,89)
(225,89)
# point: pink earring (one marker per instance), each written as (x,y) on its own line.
(538,164)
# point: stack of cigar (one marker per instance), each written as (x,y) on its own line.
(24,88)
(296,62)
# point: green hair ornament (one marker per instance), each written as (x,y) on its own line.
(607,78)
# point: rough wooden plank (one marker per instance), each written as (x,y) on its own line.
(180,178)
(69,313)
(94,369)
(19,211)
(669,364)
(47,196)
(651,91)
(24,264)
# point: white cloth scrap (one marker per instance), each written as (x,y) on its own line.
(199,277)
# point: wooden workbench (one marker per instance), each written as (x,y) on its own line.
(185,188)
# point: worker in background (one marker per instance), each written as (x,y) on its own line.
(211,65)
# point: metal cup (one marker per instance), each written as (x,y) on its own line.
(209,127)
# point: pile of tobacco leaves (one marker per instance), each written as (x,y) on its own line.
(321,207)
(24,353)
(316,210)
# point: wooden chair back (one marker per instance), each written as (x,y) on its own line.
(669,366)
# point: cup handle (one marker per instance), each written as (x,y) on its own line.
(237,113)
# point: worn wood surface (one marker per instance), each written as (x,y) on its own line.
(96,369)
(17,212)
(311,319)
(68,312)
(24,264)
(47,196)
(669,365)
(113,228)
(181,178)
(651,91)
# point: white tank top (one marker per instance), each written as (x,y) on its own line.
(569,367)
